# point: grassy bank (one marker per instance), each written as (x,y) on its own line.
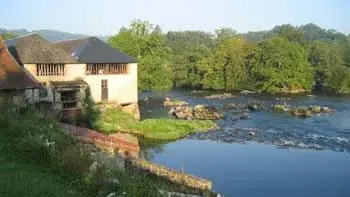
(113,120)
(38,159)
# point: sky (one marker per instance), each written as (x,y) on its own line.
(106,17)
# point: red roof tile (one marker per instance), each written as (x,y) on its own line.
(12,75)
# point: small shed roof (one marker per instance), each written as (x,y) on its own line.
(73,83)
(35,49)
(12,75)
(93,50)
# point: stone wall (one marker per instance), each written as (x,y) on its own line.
(172,175)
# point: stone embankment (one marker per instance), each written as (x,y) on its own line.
(129,152)
(172,175)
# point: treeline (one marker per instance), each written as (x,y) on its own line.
(284,59)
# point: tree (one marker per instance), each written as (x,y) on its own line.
(290,33)
(347,55)
(189,48)
(328,60)
(280,65)
(225,69)
(224,34)
(147,44)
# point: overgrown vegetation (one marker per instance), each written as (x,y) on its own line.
(284,59)
(37,158)
(113,120)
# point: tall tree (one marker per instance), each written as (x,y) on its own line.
(225,69)
(290,33)
(327,58)
(188,47)
(279,65)
(224,34)
(147,44)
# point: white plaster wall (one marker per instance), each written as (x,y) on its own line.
(122,88)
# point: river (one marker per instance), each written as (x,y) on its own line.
(286,156)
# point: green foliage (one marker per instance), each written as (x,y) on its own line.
(290,33)
(113,120)
(271,61)
(37,158)
(7,36)
(89,113)
(147,44)
(225,68)
(32,161)
(188,48)
(328,59)
(279,65)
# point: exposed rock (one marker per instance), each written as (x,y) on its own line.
(296,91)
(281,108)
(256,106)
(252,133)
(184,112)
(200,112)
(229,106)
(172,111)
(326,110)
(174,103)
(203,112)
(247,92)
(220,96)
(301,112)
(245,116)
(315,109)
(282,99)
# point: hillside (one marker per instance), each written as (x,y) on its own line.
(52,35)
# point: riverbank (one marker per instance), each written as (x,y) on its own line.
(38,158)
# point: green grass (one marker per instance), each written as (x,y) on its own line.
(38,159)
(23,179)
(113,120)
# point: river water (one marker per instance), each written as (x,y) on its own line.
(286,156)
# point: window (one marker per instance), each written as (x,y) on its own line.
(69,99)
(104,83)
(50,69)
(106,69)
(43,90)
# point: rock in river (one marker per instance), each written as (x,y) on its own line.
(281,108)
(229,106)
(301,112)
(256,106)
(245,116)
(204,112)
(200,112)
(220,96)
(174,103)
(247,92)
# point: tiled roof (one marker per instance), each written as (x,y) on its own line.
(35,49)
(93,50)
(12,75)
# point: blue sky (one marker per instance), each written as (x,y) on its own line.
(105,17)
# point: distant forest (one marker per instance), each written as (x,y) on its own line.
(284,59)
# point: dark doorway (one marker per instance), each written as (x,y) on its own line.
(104,90)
